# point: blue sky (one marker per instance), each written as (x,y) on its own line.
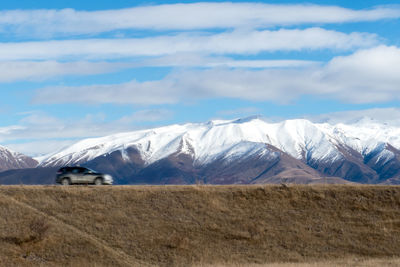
(76,69)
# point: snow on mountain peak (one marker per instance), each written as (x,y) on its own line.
(205,142)
(14,160)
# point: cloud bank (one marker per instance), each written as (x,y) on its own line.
(194,16)
(378,115)
(237,42)
(366,76)
(11,71)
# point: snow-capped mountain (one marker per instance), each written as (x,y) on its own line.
(14,160)
(204,142)
(243,151)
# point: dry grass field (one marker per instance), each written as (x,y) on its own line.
(330,225)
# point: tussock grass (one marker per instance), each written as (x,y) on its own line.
(202,225)
(350,262)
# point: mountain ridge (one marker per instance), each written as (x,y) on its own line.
(240,151)
(366,152)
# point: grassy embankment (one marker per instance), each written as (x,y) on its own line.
(200,225)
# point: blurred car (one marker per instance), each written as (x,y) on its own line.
(82,175)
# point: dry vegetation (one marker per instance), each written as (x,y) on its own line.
(332,225)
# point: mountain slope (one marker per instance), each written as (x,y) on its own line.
(180,168)
(14,160)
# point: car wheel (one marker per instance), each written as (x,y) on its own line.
(98,181)
(65,181)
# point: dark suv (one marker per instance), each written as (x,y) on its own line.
(81,175)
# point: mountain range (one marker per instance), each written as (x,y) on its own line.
(242,151)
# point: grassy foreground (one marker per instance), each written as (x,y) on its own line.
(335,225)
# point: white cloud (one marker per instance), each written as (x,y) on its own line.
(262,63)
(11,71)
(38,133)
(239,112)
(147,115)
(7,130)
(149,93)
(36,125)
(45,23)
(198,60)
(236,42)
(371,75)
(382,115)
(40,147)
(367,76)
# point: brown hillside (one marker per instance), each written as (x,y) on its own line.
(197,225)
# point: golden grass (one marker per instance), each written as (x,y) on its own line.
(202,225)
(354,262)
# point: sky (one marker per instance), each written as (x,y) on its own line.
(78,69)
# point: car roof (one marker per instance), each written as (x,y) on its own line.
(72,168)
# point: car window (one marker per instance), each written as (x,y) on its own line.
(75,170)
